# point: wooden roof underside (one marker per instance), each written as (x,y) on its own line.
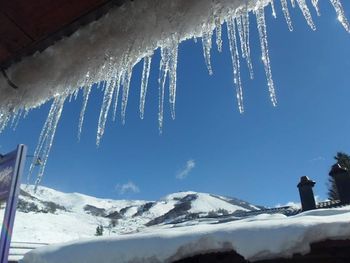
(27,26)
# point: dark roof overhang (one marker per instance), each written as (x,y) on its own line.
(28,26)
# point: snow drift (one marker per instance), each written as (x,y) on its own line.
(260,237)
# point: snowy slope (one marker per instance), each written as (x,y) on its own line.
(51,216)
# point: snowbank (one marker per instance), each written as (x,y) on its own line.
(260,237)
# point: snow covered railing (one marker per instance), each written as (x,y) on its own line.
(18,249)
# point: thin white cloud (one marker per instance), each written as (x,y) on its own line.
(129,187)
(190,164)
(317,159)
(290,203)
(298,204)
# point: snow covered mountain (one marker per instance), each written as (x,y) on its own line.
(51,216)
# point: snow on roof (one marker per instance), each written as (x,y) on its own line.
(260,237)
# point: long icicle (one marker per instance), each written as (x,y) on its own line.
(46,138)
(315,5)
(4,120)
(116,96)
(173,52)
(235,63)
(243,32)
(241,35)
(163,72)
(20,115)
(207,44)
(293,3)
(306,12)
(286,14)
(144,83)
(341,14)
(260,17)
(107,100)
(218,30)
(86,95)
(126,87)
(246,34)
(273,9)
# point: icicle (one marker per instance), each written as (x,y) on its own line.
(243,32)
(235,63)
(75,93)
(218,30)
(315,5)
(126,86)
(144,83)
(107,100)
(286,14)
(241,35)
(70,98)
(86,95)
(341,15)
(306,12)
(4,120)
(16,119)
(173,52)
(167,67)
(245,22)
(47,135)
(163,70)
(273,9)
(26,112)
(260,17)
(206,42)
(116,96)
(293,3)
(14,116)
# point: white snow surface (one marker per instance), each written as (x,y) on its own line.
(74,222)
(260,237)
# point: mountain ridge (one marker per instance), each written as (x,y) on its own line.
(51,216)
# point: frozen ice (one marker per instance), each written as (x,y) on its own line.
(306,12)
(144,83)
(341,15)
(107,50)
(315,5)
(260,18)
(286,14)
(47,136)
(231,29)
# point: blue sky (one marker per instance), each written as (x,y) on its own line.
(257,156)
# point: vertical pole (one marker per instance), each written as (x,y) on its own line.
(18,159)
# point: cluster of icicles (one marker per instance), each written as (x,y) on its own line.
(119,81)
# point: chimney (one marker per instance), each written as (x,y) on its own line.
(342,181)
(306,194)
